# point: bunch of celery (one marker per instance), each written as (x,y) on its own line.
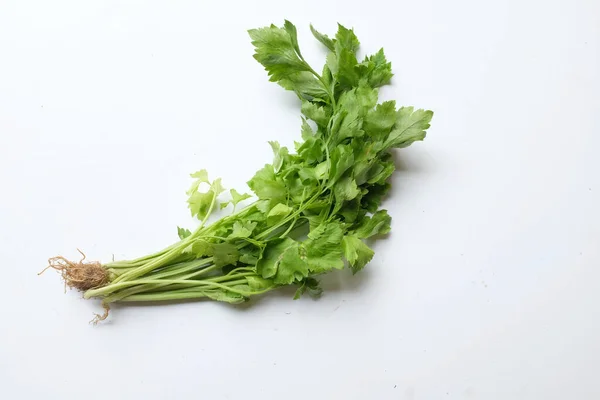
(315,205)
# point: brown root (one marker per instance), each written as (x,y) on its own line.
(79,275)
(101,317)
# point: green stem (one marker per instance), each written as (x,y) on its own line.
(128,282)
(223,220)
(329,90)
(230,277)
(289,229)
(138,262)
(144,284)
(210,209)
(120,294)
(165,296)
(293,215)
(120,285)
(155,263)
(178,269)
(185,295)
(133,263)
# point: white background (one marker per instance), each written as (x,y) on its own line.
(488,287)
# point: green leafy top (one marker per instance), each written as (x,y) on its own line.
(318,203)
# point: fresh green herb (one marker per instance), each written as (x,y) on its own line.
(315,205)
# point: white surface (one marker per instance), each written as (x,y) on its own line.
(488,287)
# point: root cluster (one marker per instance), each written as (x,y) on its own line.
(80,275)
